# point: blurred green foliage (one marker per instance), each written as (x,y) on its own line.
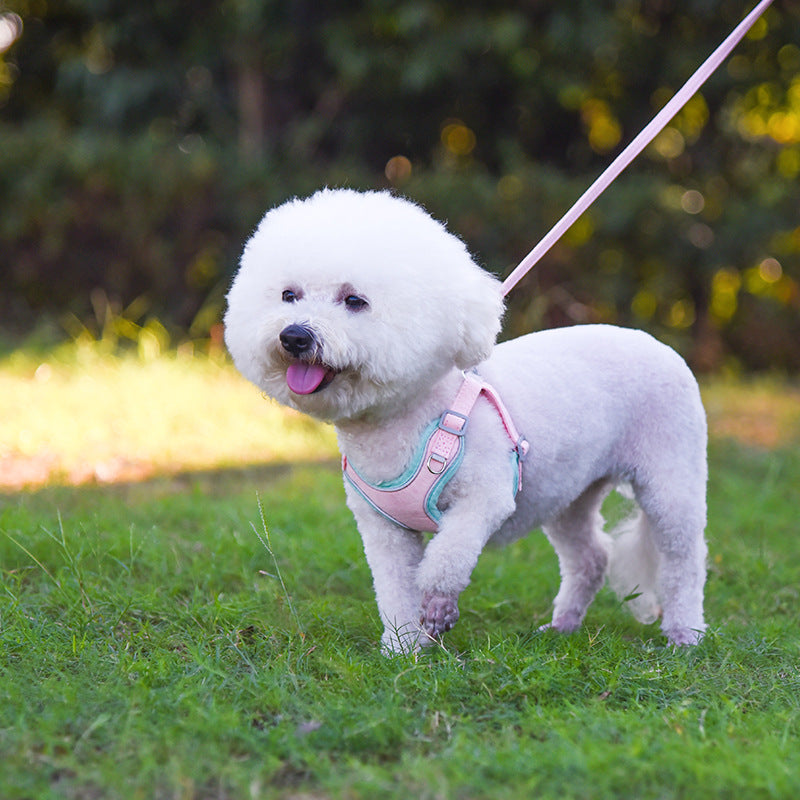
(141,142)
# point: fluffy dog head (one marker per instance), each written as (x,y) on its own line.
(347,304)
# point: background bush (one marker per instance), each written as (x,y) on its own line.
(140,144)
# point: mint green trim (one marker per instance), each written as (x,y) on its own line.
(515,469)
(413,466)
(431,507)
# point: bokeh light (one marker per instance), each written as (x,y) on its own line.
(10,30)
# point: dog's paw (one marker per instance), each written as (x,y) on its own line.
(683,637)
(566,622)
(439,614)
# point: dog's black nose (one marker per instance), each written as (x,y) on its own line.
(297,339)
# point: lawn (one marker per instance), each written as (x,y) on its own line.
(159,640)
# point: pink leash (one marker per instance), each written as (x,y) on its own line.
(636,146)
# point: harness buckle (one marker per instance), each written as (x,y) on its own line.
(455,431)
(435,460)
(522,447)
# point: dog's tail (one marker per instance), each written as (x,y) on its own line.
(633,566)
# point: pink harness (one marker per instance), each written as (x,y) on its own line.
(410,500)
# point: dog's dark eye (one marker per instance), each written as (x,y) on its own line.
(355,303)
(290,296)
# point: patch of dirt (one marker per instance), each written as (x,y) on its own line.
(30,472)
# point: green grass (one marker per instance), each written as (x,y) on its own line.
(152,647)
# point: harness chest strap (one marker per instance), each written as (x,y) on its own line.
(411,503)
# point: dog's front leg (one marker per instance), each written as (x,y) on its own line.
(444,573)
(450,558)
(393,556)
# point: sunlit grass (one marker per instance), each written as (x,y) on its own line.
(85,417)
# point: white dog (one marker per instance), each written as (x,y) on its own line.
(361,309)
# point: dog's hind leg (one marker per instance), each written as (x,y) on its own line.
(583,552)
(676,522)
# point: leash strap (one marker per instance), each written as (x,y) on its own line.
(647,135)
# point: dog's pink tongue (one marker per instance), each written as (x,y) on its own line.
(305,378)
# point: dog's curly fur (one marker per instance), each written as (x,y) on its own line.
(390,308)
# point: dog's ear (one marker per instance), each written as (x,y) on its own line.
(478,305)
